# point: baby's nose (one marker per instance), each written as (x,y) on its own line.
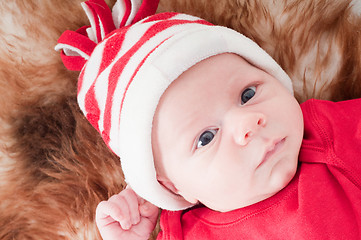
(248,126)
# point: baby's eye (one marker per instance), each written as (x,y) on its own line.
(206,137)
(247,94)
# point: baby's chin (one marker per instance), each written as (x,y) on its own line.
(282,173)
(281,180)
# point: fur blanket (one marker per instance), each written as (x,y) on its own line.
(55,168)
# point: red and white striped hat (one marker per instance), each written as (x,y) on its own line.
(127,61)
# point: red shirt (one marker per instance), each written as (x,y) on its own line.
(323,200)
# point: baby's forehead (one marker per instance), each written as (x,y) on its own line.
(209,84)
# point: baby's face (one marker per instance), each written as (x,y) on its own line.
(226,134)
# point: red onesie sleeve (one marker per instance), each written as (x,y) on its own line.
(338,125)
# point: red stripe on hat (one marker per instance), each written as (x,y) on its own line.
(123,61)
(160,16)
(169,15)
(128,7)
(102,15)
(148,7)
(92,109)
(112,48)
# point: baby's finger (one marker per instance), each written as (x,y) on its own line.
(110,211)
(149,210)
(133,205)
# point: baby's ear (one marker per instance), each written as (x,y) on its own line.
(170,186)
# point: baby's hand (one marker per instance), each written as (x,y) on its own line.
(126,216)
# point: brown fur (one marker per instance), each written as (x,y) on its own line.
(54,168)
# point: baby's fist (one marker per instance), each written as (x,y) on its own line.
(126,216)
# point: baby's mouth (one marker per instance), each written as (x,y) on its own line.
(275,147)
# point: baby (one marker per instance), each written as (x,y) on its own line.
(207,128)
(225,134)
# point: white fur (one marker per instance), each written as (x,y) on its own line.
(356,7)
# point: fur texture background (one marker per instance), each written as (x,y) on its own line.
(54,167)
